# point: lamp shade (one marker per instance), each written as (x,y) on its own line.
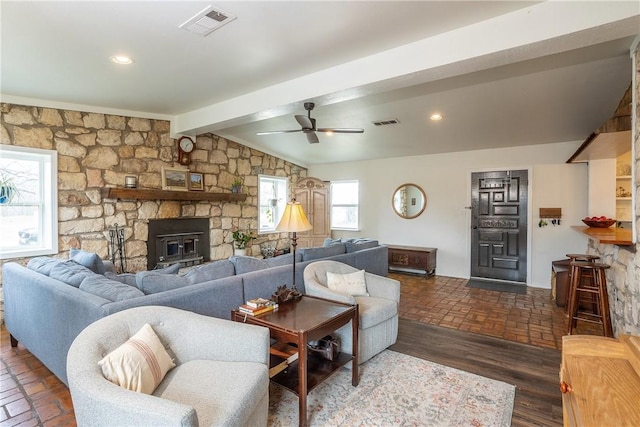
(294,219)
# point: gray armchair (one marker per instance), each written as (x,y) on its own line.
(378,312)
(220,379)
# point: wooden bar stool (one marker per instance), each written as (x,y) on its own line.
(597,287)
(572,258)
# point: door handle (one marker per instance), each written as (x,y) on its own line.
(475,227)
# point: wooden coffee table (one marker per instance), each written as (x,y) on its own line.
(298,323)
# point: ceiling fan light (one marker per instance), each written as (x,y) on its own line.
(436,117)
(121,59)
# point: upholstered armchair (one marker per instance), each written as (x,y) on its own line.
(220,378)
(378,312)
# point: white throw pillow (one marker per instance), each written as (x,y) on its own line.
(350,283)
(139,364)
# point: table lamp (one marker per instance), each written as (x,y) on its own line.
(294,220)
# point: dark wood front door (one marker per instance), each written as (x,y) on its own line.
(499,225)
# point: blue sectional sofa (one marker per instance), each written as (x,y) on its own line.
(49,302)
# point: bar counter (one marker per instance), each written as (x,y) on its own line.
(611,235)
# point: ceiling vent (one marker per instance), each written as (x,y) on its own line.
(206,21)
(386,122)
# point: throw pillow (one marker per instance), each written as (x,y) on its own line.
(109,289)
(172,269)
(329,241)
(140,364)
(350,283)
(88,259)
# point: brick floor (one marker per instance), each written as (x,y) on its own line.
(30,395)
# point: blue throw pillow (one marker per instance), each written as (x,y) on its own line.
(328,241)
(88,259)
(70,272)
(109,289)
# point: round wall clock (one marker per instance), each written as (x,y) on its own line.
(185,147)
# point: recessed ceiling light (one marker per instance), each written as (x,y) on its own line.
(121,59)
(435,117)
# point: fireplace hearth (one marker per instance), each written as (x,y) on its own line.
(178,240)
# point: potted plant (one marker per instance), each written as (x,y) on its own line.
(8,188)
(236,186)
(241,240)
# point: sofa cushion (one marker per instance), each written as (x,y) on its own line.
(172,269)
(373,311)
(140,364)
(283,260)
(246,264)
(88,259)
(309,254)
(151,282)
(348,283)
(126,278)
(70,272)
(210,271)
(109,289)
(358,245)
(43,264)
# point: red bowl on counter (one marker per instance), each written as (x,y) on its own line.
(599,224)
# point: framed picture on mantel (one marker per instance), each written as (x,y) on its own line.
(196,181)
(175,179)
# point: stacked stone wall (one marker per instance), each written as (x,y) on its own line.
(623,278)
(99,150)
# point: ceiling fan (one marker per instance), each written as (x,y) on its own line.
(308,125)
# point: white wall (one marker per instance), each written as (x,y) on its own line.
(445,178)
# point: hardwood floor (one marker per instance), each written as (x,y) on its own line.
(507,337)
(533,370)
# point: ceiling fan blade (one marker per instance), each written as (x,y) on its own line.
(272,132)
(340,130)
(312,137)
(305,122)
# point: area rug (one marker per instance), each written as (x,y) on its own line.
(491,285)
(399,390)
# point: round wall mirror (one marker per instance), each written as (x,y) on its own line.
(409,201)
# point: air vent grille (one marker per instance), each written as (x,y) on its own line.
(386,122)
(206,21)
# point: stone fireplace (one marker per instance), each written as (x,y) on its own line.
(178,240)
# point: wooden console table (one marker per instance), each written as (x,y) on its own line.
(600,381)
(412,259)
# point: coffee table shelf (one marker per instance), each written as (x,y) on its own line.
(318,370)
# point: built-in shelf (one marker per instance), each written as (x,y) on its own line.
(140,194)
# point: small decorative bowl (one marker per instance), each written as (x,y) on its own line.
(599,224)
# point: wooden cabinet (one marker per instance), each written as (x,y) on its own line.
(600,381)
(412,259)
(315,197)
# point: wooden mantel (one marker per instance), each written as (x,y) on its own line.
(140,194)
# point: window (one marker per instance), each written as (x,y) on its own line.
(29,222)
(344,205)
(272,200)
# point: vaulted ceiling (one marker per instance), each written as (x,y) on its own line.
(501,73)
